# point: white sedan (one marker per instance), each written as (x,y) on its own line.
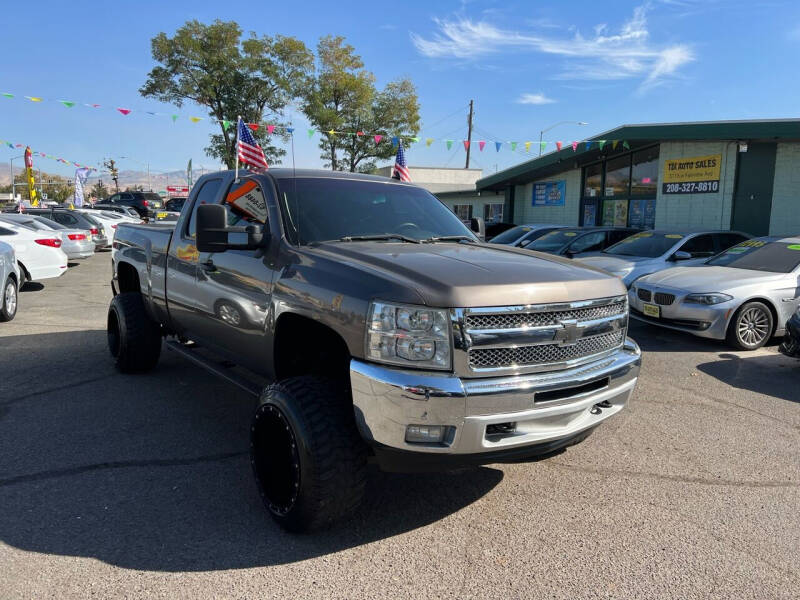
(9,278)
(39,254)
(108,219)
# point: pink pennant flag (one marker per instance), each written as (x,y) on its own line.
(359,133)
(17,145)
(466,144)
(558,146)
(124,111)
(42,154)
(92,105)
(574,146)
(270,129)
(253,126)
(481,144)
(377,138)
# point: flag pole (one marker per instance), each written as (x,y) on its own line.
(238,121)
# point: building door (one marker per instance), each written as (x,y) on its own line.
(752,201)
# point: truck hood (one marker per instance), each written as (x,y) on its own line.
(704,279)
(472,275)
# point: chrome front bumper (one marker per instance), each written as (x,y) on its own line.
(387,400)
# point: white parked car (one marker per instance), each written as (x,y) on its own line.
(75,243)
(108,219)
(648,252)
(38,253)
(10,278)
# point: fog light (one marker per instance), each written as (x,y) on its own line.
(430,434)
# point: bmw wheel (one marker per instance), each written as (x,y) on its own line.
(751,327)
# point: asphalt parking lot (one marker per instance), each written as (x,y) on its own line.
(115,485)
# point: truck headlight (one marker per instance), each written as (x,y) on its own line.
(707,299)
(413,336)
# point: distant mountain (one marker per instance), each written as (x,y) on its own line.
(159,181)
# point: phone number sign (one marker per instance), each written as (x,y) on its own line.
(692,175)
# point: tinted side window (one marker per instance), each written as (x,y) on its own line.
(4,231)
(727,240)
(700,246)
(207,195)
(588,243)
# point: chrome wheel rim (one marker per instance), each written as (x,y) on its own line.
(229,314)
(753,327)
(10,298)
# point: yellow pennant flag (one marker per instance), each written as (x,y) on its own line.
(331,132)
(33,98)
(527,146)
(195,119)
(428,141)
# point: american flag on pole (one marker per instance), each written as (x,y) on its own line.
(400,165)
(248,150)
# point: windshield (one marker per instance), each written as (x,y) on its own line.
(511,235)
(760,255)
(326,209)
(555,240)
(647,244)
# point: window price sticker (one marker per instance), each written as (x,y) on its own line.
(249,200)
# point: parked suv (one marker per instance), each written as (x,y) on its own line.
(147,204)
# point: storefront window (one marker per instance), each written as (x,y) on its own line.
(644,179)
(493,213)
(618,176)
(593,181)
(463,211)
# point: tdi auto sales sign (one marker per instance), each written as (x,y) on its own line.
(692,175)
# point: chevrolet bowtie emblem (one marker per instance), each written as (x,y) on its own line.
(569,333)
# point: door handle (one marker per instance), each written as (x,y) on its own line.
(208,265)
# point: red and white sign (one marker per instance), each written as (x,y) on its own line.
(177,190)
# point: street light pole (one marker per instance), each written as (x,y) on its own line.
(14,183)
(543,131)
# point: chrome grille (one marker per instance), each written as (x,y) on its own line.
(543,319)
(644,295)
(524,356)
(664,299)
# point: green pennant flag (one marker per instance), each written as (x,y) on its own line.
(415,139)
(7,95)
(513,146)
(601,143)
(625,145)
(542,146)
(226,124)
(67,103)
(174,118)
(449,144)
(311,133)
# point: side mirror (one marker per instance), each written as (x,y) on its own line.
(213,231)
(477,225)
(681,255)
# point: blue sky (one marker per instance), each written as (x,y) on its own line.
(526,64)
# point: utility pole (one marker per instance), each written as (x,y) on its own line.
(469,133)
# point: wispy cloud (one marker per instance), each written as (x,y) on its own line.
(534,99)
(627,53)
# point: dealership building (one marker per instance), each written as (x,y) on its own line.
(741,175)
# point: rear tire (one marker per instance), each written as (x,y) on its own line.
(134,339)
(23,276)
(308,459)
(9,299)
(751,327)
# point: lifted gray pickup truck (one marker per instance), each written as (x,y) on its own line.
(374,327)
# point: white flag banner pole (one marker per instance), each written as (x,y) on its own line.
(238,124)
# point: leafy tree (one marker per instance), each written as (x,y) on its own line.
(342,98)
(99,190)
(212,66)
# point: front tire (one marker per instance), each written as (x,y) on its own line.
(134,339)
(9,299)
(308,459)
(751,326)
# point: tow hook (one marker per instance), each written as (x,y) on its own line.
(597,408)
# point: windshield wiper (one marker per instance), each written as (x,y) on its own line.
(449,238)
(378,237)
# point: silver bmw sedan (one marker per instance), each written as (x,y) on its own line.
(743,295)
